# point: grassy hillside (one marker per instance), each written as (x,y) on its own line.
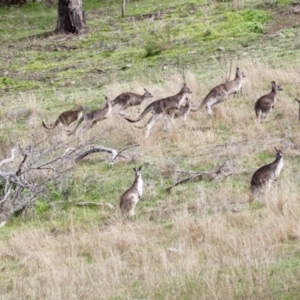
(201,240)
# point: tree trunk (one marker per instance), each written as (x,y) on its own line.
(123,7)
(70,17)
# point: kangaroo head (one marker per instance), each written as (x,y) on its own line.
(185,89)
(189,103)
(108,102)
(239,73)
(137,172)
(279,153)
(147,94)
(275,87)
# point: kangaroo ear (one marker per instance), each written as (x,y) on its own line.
(273,82)
(184,84)
(237,69)
(134,170)
(140,168)
(145,90)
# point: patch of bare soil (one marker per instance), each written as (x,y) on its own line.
(285,19)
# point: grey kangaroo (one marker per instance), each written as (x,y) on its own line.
(160,107)
(128,99)
(221,92)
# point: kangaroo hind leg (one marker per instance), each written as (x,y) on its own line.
(151,123)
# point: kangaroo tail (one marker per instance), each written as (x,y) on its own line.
(142,115)
(203,103)
(199,107)
(74,130)
(115,101)
(50,127)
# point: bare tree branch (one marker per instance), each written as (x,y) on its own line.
(12,157)
(114,153)
(31,172)
(218,174)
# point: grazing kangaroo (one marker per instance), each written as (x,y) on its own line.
(130,99)
(221,92)
(159,108)
(93,117)
(67,117)
(131,197)
(262,179)
(174,113)
(264,105)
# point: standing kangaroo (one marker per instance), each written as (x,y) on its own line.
(131,197)
(130,99)
(262,179)
(91,118)
(66,118)
(221,92)
(159,108)
(264,105)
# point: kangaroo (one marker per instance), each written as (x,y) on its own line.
(130,99)
(66,118)
(93,117)
(264,176)
(221,92)
(174,113)
(159,108)
(264,105)
(131,197)
(182,111)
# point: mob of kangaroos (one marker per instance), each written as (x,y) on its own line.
(264,105)
(159,108)
(131,197)
(91,118)
(66,118)
(128,99)
(221,92)
(262,179)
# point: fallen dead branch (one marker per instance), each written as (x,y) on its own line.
(114,152)
(218,174)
